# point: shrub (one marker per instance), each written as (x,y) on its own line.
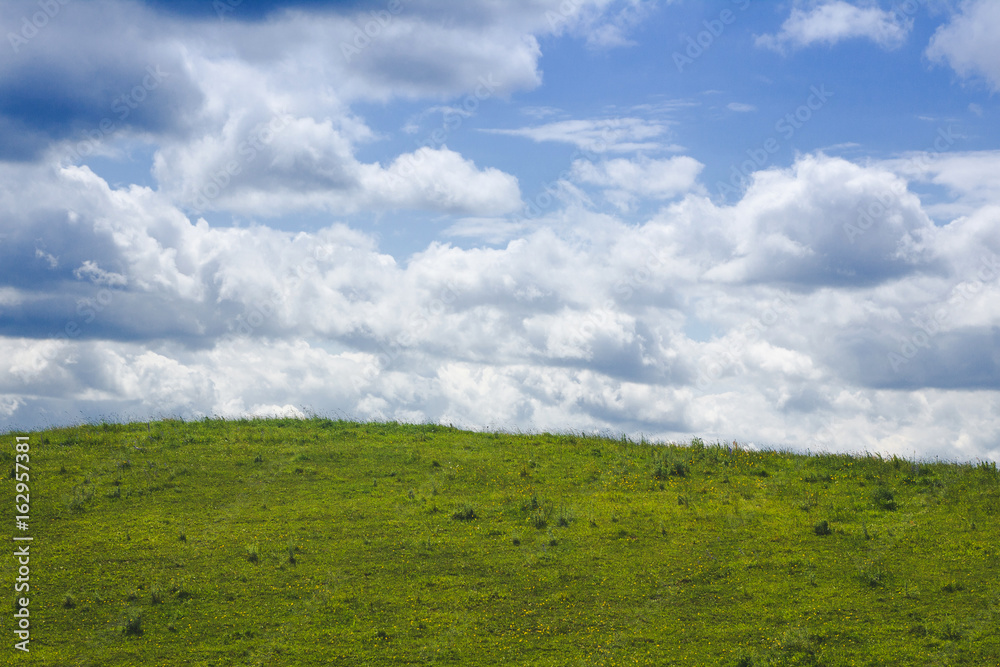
(883,499)
(531,504)
(133,624)
(951,630)
(873,575)
(466,513)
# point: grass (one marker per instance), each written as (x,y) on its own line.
(318,542)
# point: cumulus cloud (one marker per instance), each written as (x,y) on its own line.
(626,180)
(834,21)
(720,320)
(968,41)
(238,127)
(823,307)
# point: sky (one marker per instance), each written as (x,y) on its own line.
(770,222)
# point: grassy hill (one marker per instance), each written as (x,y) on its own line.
(319,542)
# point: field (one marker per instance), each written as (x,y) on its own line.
(322,542)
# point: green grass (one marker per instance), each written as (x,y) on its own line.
(319,542)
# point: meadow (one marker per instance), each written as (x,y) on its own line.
(326,542)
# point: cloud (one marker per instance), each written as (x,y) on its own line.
(624,181)
(834,21)
(968,42)
(68,82)
(613,134)
(825,221)
(740,107)
(823,307)
(288,164)
(768,319)
(971,179)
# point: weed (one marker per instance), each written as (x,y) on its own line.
(531,504)
(69,602)
(822,528)
(873,574)
(156,596)
(132,626)
(951,629)
(465,513)
(952,587)
(253,553)
(883,499)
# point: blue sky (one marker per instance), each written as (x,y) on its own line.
(771,222)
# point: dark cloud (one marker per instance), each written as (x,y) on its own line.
(93,72)
(255,10)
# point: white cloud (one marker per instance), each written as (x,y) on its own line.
(625,181)
(604,24)
(972,179)
(834,21)
(439,179)
(90,271)
(254,117)
(740,107)
(772,319)
(613,134)
(968,41)
(583,322)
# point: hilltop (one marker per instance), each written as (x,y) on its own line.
(321,542)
